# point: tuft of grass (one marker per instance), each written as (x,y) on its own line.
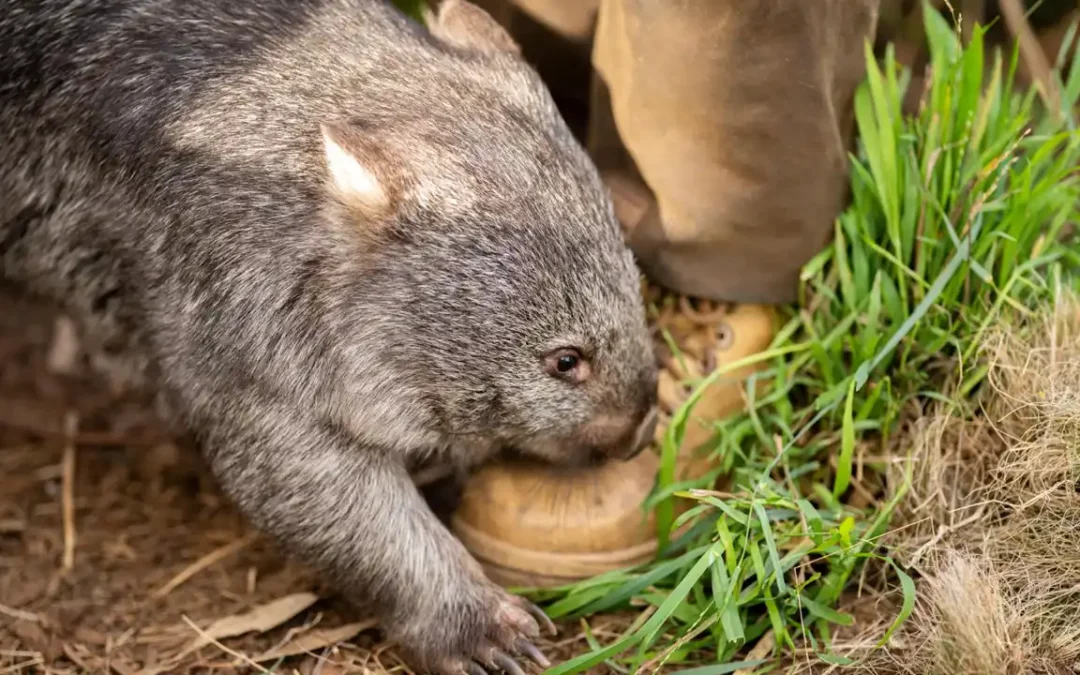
(960,216)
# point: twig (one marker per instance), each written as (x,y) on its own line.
(18,667)
(20,614)
(760,650)
(209,640)
(1015,20)
(941,533)
(296,631)
(75,657)
(71,423)
(204,562)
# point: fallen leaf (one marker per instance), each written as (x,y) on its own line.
(260,619)
(317,639)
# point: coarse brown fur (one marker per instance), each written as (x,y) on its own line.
(336,243)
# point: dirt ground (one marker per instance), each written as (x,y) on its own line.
(154,552)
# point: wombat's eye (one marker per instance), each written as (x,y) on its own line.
(568,364)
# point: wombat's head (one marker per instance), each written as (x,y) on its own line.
(493,244)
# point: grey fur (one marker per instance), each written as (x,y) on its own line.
(163,176)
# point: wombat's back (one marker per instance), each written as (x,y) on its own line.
(132,130)
(114,76)
(111,61)
(122,117)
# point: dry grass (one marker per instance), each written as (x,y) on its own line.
(991,521)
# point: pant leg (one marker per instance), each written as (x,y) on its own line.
(738,117)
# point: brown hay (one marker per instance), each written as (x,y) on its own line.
(991,521)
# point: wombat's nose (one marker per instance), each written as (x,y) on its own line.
(643,436)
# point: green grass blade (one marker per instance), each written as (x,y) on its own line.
(847,445)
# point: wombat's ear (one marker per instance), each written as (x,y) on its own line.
(463,24)
(361,175)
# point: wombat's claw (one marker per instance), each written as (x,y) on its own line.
(506,664)
(527,648)
(498,662)
(540,616)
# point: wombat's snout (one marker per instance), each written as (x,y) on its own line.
(643,436)
(622,436)
(643,423)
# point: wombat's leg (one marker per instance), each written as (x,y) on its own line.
(355,514)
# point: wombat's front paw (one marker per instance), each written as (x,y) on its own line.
(488,634)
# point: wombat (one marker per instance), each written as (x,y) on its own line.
(335,242)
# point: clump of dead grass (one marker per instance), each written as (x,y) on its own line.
(991,518)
